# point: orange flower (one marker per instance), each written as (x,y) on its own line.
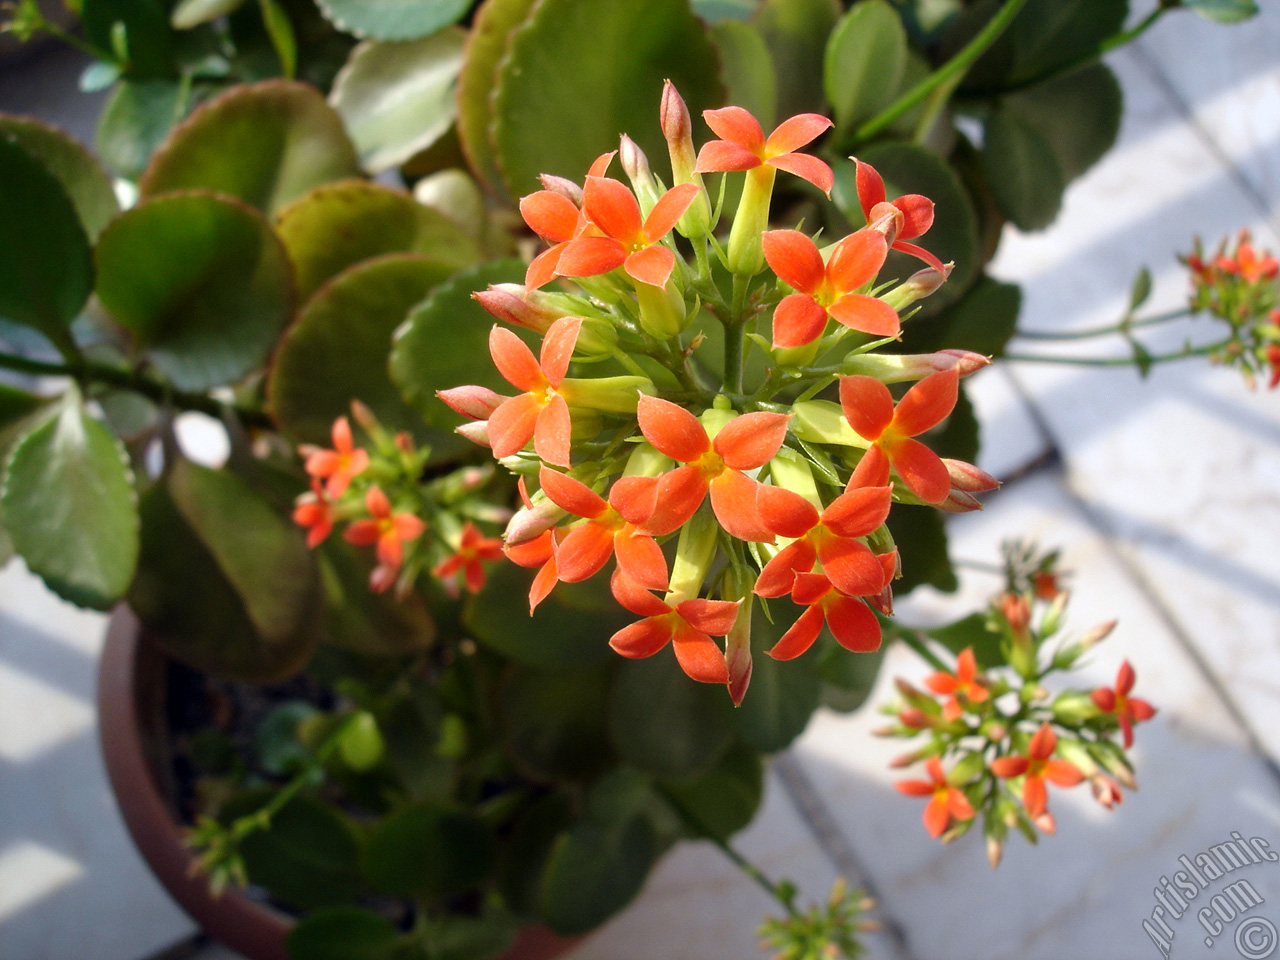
(1127,710)
(851,621)
(473,552)
(540,412)
(1248,263)
(960,684)
(315,512)
(743,145)
(868,406)
(587,547)
(538,552)
(337,466)
(747,442)
(827,537)
(390,531)
(688,625)
(946,802)
(913,213)
(1038,766)
(627,242)
(824,290)
(555,218)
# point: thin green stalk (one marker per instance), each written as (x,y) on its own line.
(156,390)
(915,643)
(956,66)
(1114,328)
(1129,361)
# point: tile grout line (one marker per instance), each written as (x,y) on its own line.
(1115,547)
(834,844)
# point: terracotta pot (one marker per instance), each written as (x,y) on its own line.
(132,678)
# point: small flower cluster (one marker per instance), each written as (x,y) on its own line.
(764,488)
(1004,735)
(377,493)
(830,929)
(1238,284)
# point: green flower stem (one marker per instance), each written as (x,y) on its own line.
(1114,328)
(88,371)
(1121,361)
(913,641)
(956,66)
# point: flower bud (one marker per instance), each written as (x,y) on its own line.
(895,368)
(791,470)
(1106,791)
(1097,635)
(737,642)
(646,461)
(509,303)
(566,188)
(822,421)
(662,309)
(677,130)
(695,550)
(968,478)
(606,394)
(1046,823)
(995,851)
(960,502)
(1074,752)
(477,431)
(1112,760)
(919,285)
(636,166)
(531,520)
(473,402)
(966,768)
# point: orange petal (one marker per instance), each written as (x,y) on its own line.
(512,424)
(590,257)
(850,566)
(636,598)
(652,265)
(612,208)
(870,187)
(584,552)
(570,494)
(958,805)
(867,406)
(543,268)
(543,584)
(915,788)
(936,816)
(966,666)
(721,156)
(800,636)
(514,360)
(809,588)
(361,533)
(679,494)
(866,314)
(640,559)
(857,512)
(642,639)
(550,215)
(1125,678)
(798,320)
(857,259)
(787,513)
(1009,766)
(635,498)
(699,656)
(551,432)
(806,168)
(1043,742)
(669,209)
(853,625)
(736,125)
(927,403)
(921,470)
(917,215)
(779,574)
(712,617)
(750,441)
(407,526)
(794,258)
(1035,796)
(1063,773)
(921,254)
(872,470)
(941,683)
(735,502)
(557,348)
(794,132)
(671,429)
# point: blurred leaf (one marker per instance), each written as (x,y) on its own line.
(343,933)
(782,696)
(796,32)
(847,677)
(490,37)
(336,350)
(1023,170)
(266,144)
(200,281)
(921,537)
(983,321)
(191,13)
(1223,11)
(726,797)
(46,268)
(747,68)
(144,26)
(283,39)
(393,19)
(397,99)
(439,344)
(411,725)
(275,741)
(1140,291)
(337,225)
(82,177)
(225,583)
(972,631)
(580,74)
(1077,115)
(721,11)
(70,507)
(425,850)
(359,620)
(666,724)
(308,857)
(136,119)
(866,59)
(525,848)
(555,720)
(453,936)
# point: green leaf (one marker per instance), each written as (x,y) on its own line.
(70,507)
(397,99)
(82,177)
(747,68)
(865,62)
(1223,11)
(782,696)
(308,857)
(726,797)
(526,846)
(797,32)
(848,678)
(191,13)
(907,168)
(200,281)
(280,29)
(717,12)
(1140,291)
(593,871)
(1023,171)
(454,936)
(359,620)
(426,850)
(983,321)
(46,267)
(444,342)
(580,74)
(921,538)
(554,721)
(136,119)
(267,144)
(144,27)
(343,933)
(490,38)
(336,351)
(225,583)
(393,19)
(411,726)
(559,634)
(666,724)
(338,225)
(1077,115)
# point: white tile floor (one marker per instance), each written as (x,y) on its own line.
(1164,494)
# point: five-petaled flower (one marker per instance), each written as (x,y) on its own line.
(1127,710)
(1036,767)
(390,531)
(743,145)
(850,620)
(828,289)
(745,443)
(868,406)
(337,466)
(961,684)
(540,412)
(558,220)
(688,625)
(314,511)
(946,802)
(474,550)
(912,213)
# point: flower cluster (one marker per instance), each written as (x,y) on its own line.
(376,492)
(716,482)
(997,739)
(1238,284)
